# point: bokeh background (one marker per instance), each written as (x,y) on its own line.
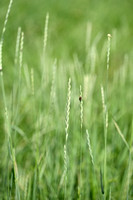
(67,25)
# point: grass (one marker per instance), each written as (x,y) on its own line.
(59,138)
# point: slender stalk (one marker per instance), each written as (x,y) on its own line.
(7,122)
(81,150)
(45,38)
(66,130)
(105,117)
(105,120)
(110,195)
(105,152)
(8,142)
(20,70)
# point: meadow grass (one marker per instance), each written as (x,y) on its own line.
(59,139)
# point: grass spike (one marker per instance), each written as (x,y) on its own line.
(89,145)
(21,50)
(68,108)
(108,50)
(17,45)
(45,33)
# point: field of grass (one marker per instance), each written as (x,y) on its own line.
(66,122)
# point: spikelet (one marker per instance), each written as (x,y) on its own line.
(3,32)
(6,20)
(45,33)
(17,45)
(64,176)
(108,50)
(21,50)
(68,108)
(89,145)
(67,125)
(65,159)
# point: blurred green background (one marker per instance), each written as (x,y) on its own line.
(67,25)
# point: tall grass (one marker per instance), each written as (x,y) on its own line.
(87,157)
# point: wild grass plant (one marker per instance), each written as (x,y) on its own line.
(75,149)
